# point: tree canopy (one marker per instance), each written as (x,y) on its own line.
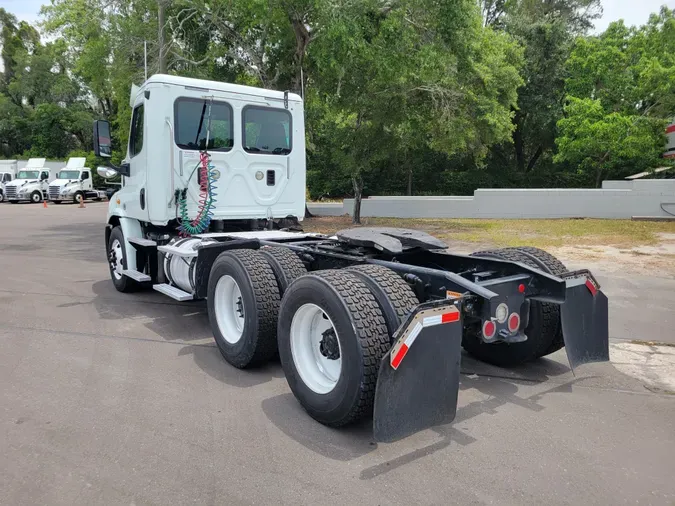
(401,96)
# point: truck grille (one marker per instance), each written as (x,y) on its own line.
(54,192)
(10,192)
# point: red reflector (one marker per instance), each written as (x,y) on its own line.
(591,287)
(489,329)
(399,356)
(521,288)
(514,322)
(450,317)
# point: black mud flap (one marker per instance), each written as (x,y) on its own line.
(418,380)
(585,322)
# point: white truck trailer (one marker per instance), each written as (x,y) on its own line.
(31,183)
(7,173)
(368,322)
(74,183)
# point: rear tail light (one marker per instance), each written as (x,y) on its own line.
(489,329)
(514,322)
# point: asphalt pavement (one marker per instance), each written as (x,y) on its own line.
(111,398)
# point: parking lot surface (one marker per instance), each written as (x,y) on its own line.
(111,398)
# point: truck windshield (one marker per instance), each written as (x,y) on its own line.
(28,174)
(69,174)
(267,131)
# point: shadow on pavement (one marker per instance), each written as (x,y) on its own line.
(342,444)
(500,386)
(209,359)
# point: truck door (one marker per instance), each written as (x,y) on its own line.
(134,197)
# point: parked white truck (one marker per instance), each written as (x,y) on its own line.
(214,173)
(31,183)
(74,183)
(7,174)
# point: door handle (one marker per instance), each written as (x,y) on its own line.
(142,198)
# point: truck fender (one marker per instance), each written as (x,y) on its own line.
(130,228)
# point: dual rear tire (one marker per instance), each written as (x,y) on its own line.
(330,327)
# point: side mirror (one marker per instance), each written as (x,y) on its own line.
(106,173)
(102,142)
(44,177)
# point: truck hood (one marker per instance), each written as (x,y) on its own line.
(20,182)
(63,182)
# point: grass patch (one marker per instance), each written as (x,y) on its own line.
(539,233)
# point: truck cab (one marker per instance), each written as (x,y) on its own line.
(7,174)
(74,183)
(254,140)
(31,183)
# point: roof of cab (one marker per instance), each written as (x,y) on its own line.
(218,86)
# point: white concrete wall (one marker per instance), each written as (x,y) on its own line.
(617,199)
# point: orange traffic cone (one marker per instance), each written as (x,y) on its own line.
(44,204)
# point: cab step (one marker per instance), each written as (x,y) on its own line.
(140,241)
(173,292)
(138,276)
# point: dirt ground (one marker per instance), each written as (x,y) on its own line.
(618,245)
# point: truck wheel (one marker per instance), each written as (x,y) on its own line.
(243,305)
(286,265)
(548,263)
(542,328)
(117,262)
(78,198)
(36,197)
(2,196)
(332,337)
(394,296)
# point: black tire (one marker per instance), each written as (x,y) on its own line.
(36,197)
(542,328)
(362,335)
(78,197)
(286,265)
(260,301)
(124,284)
(394,296)
(548,263)
(2,196)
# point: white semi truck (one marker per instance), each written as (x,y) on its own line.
(31,183)
(7,174)
(367,322)
(74,183)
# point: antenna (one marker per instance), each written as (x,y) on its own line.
(145,57)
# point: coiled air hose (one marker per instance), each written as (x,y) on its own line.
(206,200)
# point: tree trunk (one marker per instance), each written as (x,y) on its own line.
(598,178)
(302,40)
(518,143)
(410,178)
(535,158)
(161,18)
(357,181)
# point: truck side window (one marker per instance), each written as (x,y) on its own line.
(191,122)
(136,135)
(7,177)
(44,176)
(267,130)
(85,175)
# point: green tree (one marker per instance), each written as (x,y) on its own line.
(621,90)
